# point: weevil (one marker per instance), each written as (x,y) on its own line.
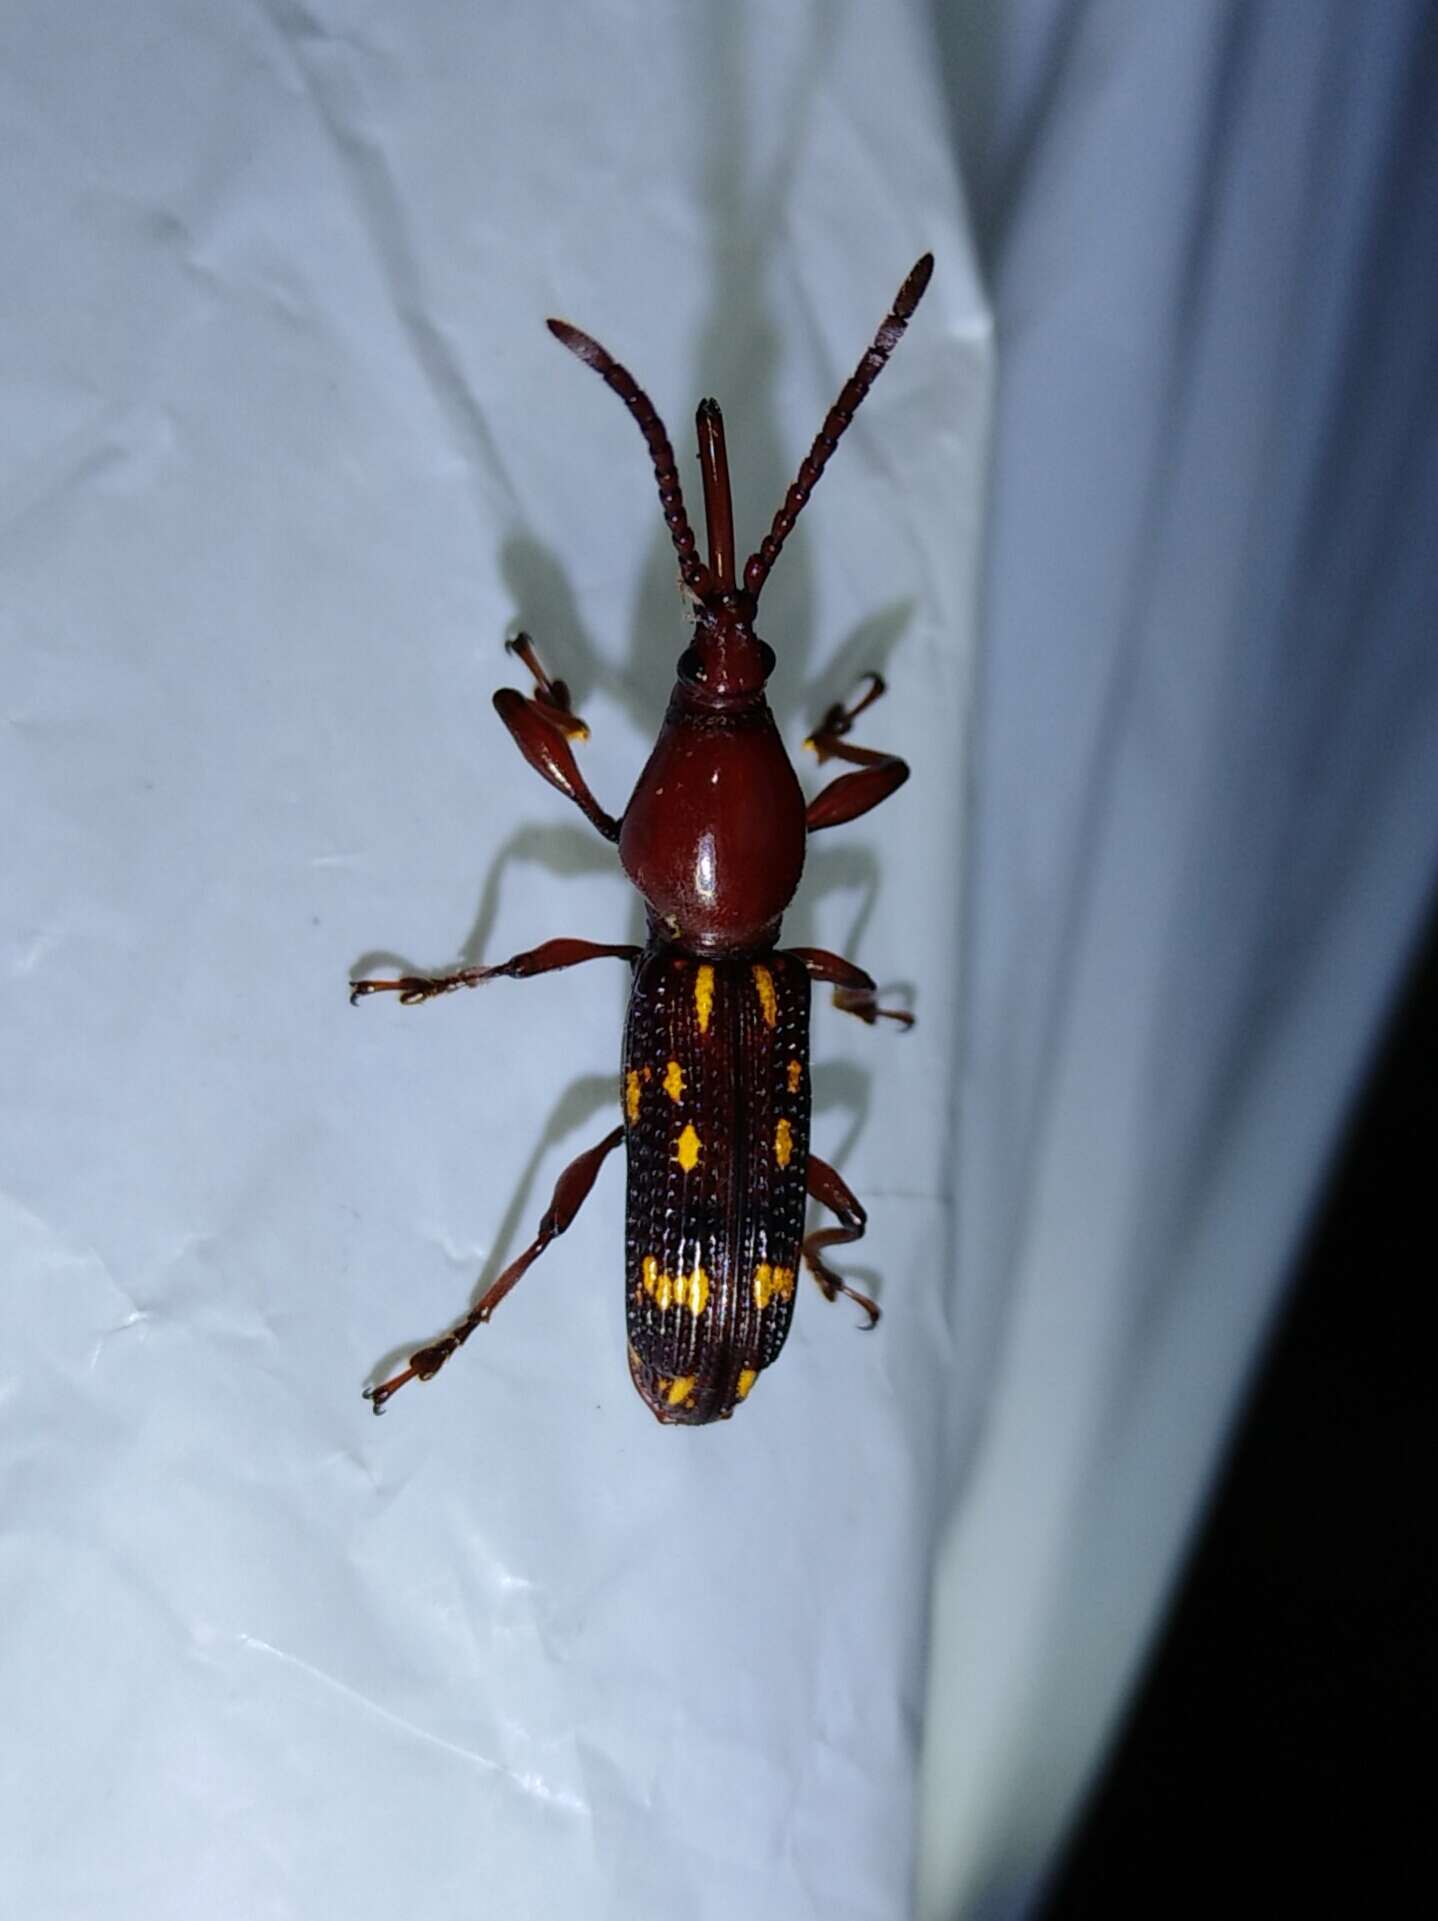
(714,1084)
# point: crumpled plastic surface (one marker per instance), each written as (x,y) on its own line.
(290,453)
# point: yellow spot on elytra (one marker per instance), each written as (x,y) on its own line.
(795,1075)
(686,1148)
(692,1291)
(783,1143)
(704,996)
(679,1390)
(764,981)
(631,1096)
(747,1377)
(668,1290)
(674,1081)
(769,1281)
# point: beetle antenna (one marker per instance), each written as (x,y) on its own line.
(671,496)
(756,570)
(718,502)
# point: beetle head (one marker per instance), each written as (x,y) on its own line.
(725,659)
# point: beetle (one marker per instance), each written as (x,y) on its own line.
(715,1073)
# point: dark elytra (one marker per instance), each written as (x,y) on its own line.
(715,1087)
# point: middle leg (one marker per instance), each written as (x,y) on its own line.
(854,990)
(547,958)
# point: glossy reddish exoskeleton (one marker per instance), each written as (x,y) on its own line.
(715,1084)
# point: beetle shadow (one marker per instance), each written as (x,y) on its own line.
(736,355)
(738,345)
(869,648)
(581,1100)
(549,611)
(561,849)
(844,870)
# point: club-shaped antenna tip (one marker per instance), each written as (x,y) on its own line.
(913,289)
(589,351)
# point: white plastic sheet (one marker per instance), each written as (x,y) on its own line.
(287,453)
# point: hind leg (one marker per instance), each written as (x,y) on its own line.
(829,1190)
(570,1193)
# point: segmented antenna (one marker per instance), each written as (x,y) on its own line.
(671,496)
(756,568)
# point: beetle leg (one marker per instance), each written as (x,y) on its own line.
(543,726)
(552,696)
(830,1190)
(854,990)
(570,1193)
(851,794)
(547,958)
(836,421)
(863,1001)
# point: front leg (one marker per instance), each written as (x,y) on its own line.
(851,794)
(547,958)
(543,726)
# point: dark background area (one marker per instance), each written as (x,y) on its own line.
(1283,1735)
